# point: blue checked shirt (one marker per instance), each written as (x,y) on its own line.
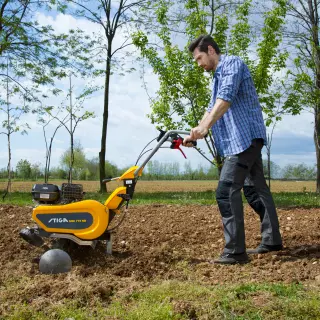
(243,121)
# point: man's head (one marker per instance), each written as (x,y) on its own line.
(206,52)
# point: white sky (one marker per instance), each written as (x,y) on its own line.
(129,129)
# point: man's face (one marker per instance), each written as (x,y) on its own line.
(205,60)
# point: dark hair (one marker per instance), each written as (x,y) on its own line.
(202,42)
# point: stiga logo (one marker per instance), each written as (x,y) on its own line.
(58,220)
(70,220)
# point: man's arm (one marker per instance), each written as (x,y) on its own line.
(204,117)
(230,82)
(208,120)
(218,110)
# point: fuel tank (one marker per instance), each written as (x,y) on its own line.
(87,219)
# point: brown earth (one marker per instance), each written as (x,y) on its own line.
(155,242)
(168,186)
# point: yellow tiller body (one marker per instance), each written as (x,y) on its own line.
(86,221)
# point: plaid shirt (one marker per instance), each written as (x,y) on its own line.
(243,121)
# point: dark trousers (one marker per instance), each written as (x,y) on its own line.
(234,173)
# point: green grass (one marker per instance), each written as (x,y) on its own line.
(185,300)
(282,199)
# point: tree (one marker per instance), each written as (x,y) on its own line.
(274,114)
(111,169)
(93,167)
(299,171)
(303,35)
(12,121)
(58,173)
(35,51)
(271,169)
(23,169)
(33,54)
(36,171)
(68,117)
(184,88)
(112,16)
(79,159)
(45,122)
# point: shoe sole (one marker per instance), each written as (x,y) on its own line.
(226,263)
(261,252)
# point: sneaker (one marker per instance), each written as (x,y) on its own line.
(265,248)
(232,258)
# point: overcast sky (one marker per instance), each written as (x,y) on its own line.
(129,129)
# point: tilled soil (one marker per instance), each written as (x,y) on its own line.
(154,242)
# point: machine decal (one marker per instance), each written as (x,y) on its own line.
(76,220)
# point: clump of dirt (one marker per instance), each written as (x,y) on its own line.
(155,241)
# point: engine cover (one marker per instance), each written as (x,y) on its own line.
(87,219)
(46,193)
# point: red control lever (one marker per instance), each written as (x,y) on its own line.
(176,145)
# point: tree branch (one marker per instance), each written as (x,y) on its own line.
(26,90)
(1,13)
(122,46)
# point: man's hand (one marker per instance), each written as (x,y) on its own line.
(196,133)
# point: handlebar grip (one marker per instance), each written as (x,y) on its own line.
(193,142)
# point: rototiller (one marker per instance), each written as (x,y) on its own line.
(62,214)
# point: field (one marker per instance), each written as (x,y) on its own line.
(161,267)
(168,186)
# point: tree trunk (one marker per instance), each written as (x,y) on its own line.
(317,115)
(102,153)
(71,135)
(317,144)
(8,189)
(314,19)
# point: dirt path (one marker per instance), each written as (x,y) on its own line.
(155,242)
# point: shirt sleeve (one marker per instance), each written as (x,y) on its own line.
(212,100)
(211,103)
(230,79)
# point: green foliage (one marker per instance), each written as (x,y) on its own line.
(221,29)
(32,56)
(275,170)
(184,92)
(240,33)
(24,169)
(112,170)
(36,171)
(35,51)
(58,173)
(79,160)
(304,85)
(269,57)
(299,171)
(92,169)
(4,173)
(183,86)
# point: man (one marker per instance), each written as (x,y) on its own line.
(235,118)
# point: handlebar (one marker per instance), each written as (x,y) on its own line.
(109,179)
(176,141)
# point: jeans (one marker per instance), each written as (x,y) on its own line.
(234,173)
